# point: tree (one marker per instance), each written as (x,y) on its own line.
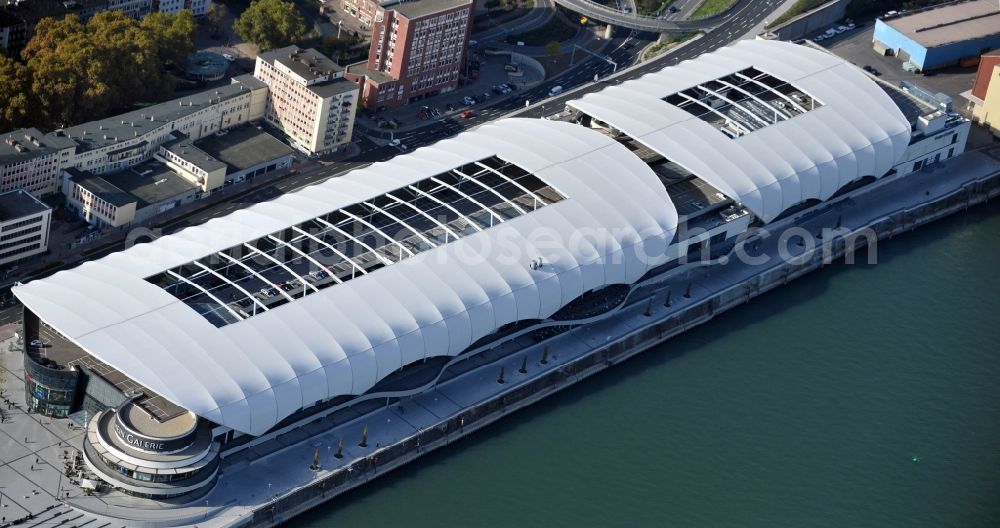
(68,74)
(84,72)
(174,34)
(216,16)
(554,49)
(270,24)
(15,90)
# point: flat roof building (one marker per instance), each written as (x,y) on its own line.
(32,161)
(24,226)
(942,35)
(418,49)
(309,99)
(257,320)
(182,171)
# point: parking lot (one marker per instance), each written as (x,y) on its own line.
(856,47)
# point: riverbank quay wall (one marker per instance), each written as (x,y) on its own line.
(618,349)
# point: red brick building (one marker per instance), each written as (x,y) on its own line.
(417,50)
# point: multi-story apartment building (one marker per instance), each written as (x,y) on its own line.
(417,50)
(197,7)
(363,10)
(308,98)
(24,226)
(19,17)
(33,161)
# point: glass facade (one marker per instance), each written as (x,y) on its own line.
(49,391)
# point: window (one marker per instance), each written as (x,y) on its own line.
(744,101)
(244,280)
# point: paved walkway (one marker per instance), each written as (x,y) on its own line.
(33,449)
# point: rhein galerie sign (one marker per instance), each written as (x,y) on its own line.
(151,444)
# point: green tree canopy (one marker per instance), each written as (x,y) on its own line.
(173,33)
(271,24)
(82,72)
(216,16)
(554,49)
(15,89)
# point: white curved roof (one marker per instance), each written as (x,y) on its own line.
(857,132)
(345,338)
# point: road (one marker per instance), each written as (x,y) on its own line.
(537,17)
(576,83)
(617,18)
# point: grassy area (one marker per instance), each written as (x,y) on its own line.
(799,7)
(711,8)
(660,47)
(556,29)
(652,7)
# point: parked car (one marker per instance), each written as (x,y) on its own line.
(556,90)
(228,57)
(36,343)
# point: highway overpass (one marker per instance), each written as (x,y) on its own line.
(598,12)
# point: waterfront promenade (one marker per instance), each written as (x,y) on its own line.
(263,477)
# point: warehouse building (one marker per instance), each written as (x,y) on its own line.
(939,36)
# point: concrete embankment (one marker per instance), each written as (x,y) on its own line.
(617,348)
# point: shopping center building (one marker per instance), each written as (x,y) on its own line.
(187,349)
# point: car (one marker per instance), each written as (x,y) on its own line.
(228,57)
(929,73)
(285,286)
(394,142)
(466,114)
(556,90)
(876,72)
(472,43)
(852,25)
(449,107)
(36,343)
(867,67)
(819,38)
(673,9)
(435,112)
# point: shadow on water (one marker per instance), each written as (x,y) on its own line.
(775,303)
